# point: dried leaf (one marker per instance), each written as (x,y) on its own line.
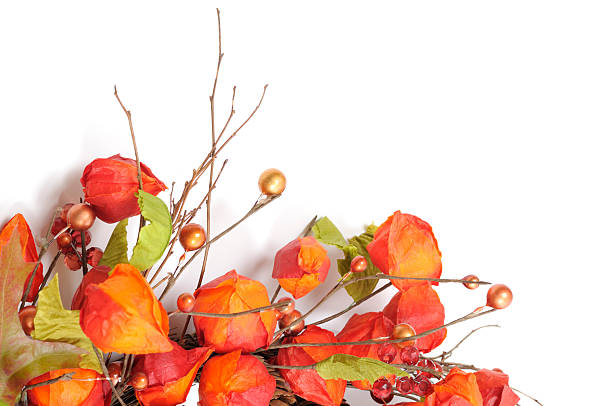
(56,324)
(21,357)
(116,249)
(155,236)
(351,368)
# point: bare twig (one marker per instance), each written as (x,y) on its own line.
(128,114)
(105,371)
(48,274)
(83,253)
(530,397)
(446,354)
(64,377)
(238,314)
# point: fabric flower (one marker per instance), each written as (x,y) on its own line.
(95,275)
(28,248)
(367,326)
(110,185)
(307,383)
(494,388)
(235,380)
(123,315)
(233,293)
(170,374)
(301,266)
(404,245)
(85,389)
(459,388)
(420,307)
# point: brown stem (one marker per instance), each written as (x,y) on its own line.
(48,274)
(63,377)
(128,113)
(352,305)
(276,292)
(105,371)
(368,342)
(83,253)
(232,315)
(530,397)
(446,354)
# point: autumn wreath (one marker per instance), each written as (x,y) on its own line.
(249,348)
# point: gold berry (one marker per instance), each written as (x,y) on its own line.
(192,237)
(114,371)
(469,281)
(81,217)
(64,240)
(499,296)
(290,307)
(139,381)
(185,302)
(26,317)
(289,318)
(272,182)
(403,330)
(359,264)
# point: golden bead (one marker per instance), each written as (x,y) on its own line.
(114,371)
(81,217)
(403,331)
(192,237)
(139,381)
(272,182)
(26,317)
(290,307)
(289,318)
(499,296)
(64,240)
(469,281)
(185,302)
(359,264)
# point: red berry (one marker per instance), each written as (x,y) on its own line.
(409,355)
(58,225)
(382,388)
(286,309)
(64,212)
(422,386)
(425,363)
(139,381)
(72,261)
(387,352)
(382,401)
(114,371)
(94,255)
(76,238)
(185,302)
(405,384)
(359,264)
(64,240)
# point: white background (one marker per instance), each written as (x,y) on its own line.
(489,120)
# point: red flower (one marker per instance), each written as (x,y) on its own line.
(235,380)
(170,374)
(110,185)
(368,326)
(457,389)
(87,388)
(95,275)
(301,266)
(123,315)
(420,307)
(233,293)
(494,388)
(308,383)
(404,245)
(28,248)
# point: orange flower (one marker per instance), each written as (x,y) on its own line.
(95,275)
(235,380)
(28,248)
(87,388)
(457,389)
(123,315)
(301,266)
(404,245)
(233,293)
(110,185)
(420,307)
(494,388)
(170,374)
(307,383)
(368,326)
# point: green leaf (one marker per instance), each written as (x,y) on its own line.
(352,368)
(357,246)
(326,232)
(155,236)
(116,249)
(21,357)
(56,324)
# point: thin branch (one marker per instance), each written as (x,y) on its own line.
(63,377)
(128,113)
(276,292)
(83,253)
(530,397)
(238,314)
(47,275)
(378,341)
(352,305)
(446,354)
(105,371)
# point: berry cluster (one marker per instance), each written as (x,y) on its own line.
(70,228)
